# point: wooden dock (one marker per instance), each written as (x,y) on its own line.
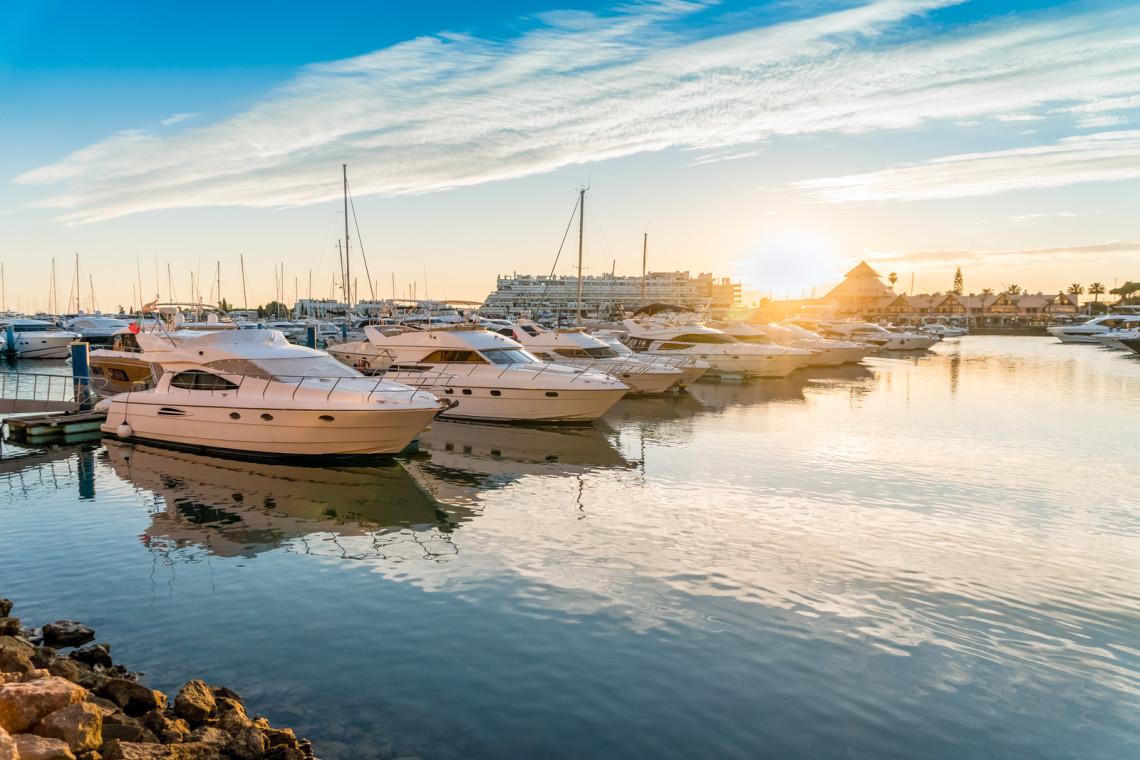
(50,428)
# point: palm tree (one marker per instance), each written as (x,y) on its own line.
(1075,289)
(893,277)
(1096,290)
(1013,290)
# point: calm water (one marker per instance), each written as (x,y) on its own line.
(933,556)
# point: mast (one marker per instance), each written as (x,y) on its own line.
(644,260)
(138,273)
(78,288)
(581,228)
(218,275)
(244,300)
(347,263)
(343,281)
(3,288)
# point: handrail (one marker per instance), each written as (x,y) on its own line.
(49,388)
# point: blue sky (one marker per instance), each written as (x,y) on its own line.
(777,142)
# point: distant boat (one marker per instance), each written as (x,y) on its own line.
(38,339)
(1087,332)
(96,328)
(879,336)
(725,354)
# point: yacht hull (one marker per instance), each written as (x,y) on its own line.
(1066,335)
(31,346)
(530,405)
(300,432)
(745,364)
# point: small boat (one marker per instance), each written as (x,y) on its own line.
(1088,332)
(879,336)
(827,353)
(38,339)
(725,354)
(253,393)
(493,377)
(944,331)
(96,328)
(691,369)
(575,347)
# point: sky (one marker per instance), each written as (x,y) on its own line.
(778,143)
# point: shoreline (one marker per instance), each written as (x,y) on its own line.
(63,698)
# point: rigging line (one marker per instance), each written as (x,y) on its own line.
(360,242)
(565,233)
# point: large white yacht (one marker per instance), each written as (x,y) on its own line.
(492,377)
(827,353)
(1087,332)
(575,347)
(38,339)
(252,392)
(95,328)
(879,336)
(725,354)
(691,369)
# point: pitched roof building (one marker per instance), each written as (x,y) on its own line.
(862,289)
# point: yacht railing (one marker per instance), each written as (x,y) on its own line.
(27,392)
(455,370)
(267,386)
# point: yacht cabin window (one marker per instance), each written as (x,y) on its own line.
(704,338)
(594,352)
(195,380)
(453,357)
(509,356)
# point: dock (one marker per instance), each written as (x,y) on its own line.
(66,427)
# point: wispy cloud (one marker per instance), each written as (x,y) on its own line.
(452,110)
(1086,158)
(177,118)
(943,258)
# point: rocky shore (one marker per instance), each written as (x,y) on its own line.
(79,705)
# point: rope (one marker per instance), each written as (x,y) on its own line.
(360,242)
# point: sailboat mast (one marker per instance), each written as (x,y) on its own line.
(347,263)
(78,287)
(581,229)
(244,300)
(644,261)
(138,273)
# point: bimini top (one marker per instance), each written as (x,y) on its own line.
(203,346)
(469,337)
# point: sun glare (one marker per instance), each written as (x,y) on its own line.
(788,263)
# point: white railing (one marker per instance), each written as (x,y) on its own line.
(25,392)
(281,386)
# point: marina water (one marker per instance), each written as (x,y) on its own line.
(930,556)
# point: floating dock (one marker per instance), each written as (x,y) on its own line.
(52,428)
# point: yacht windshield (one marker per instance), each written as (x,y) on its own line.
(704,338)
(286,368)
(602,352)
(509,356)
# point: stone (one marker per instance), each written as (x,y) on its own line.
(93,655)
(194,751)
(35,674)
(194,702)
(16,655)
(7,744)
(134,698)
(168,730)
(5,607)
(209,735)
(12,642)
(9,626)
(23,705)
(119,750)
(32,747)
(67,633)
(65,668)
(122,727)
(79,725)
(247,743)
(221,691)
(42,656)
(284,753)
(280,737)
(231,715)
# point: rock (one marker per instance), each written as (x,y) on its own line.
(209,735)
(280,737)
(79,725)
(194,751)
(9,626)
(122,727)
(134,698)
(5,607)
(11,642)
(118,750)
(231,715)
(42,656)
(32,747)
(23,705)
(65,668)
(247,743)
(67,633)
(94,655)
(285,753)
(221,691)
(7,744)
(15,661)
(194,702)
(168,730)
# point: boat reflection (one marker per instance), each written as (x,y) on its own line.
(241,508)
(464,459)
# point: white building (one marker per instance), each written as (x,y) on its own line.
(603,294)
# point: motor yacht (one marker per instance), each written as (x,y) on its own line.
(1114,340)
(575,347)
(725,354)
(826,353)
(251,392)
(1087,332)
(879,336)
(944,331)
(96,328)
(691,369)
(38,338)
(493,377)
(1131,343)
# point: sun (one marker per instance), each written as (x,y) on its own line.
(787,263)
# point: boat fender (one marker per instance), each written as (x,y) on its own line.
(124,430)
(103,406)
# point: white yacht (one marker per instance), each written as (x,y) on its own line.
(252,392)
(827,353)
(575,347)
(493,377)
(944,331)
(725,354)
(95,328)
(691,369)
(879,336)
(1114,339)
(1087,332)
(38,339)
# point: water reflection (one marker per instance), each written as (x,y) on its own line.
(238,508)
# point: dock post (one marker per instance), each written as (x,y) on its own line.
(344,332)
(10,336)
(311,336)
(81,373)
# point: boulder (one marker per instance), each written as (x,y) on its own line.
(194,702)
(134,698)
(16,655)
(9,626)
(7,744)
(168,730)
(23,705)
(280,737)
(67,633)
(285,753)
(122,727)
(79,725)
(247,743)
(5,607)
(43,655)
(12,642)
(194,751)
(32,747)
(65,668)
(231,715)
(119,750)
(96,654)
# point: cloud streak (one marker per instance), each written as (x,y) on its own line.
(945,258)
(1103,156)
(451,110)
